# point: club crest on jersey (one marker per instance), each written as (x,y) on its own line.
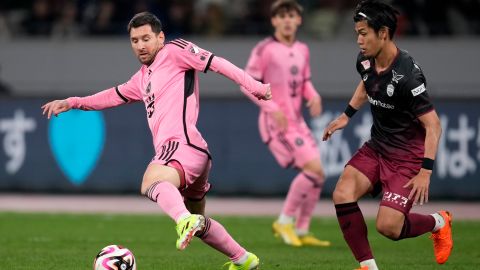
(194,49)
(294,70)
(365,64)
(299,141)
(395,76)
(390,89)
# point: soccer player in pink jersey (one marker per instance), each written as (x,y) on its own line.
(177,177)
(284,63)
(399,157)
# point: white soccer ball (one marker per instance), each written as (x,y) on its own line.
(114,257)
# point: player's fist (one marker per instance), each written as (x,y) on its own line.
(265,94)
(55,107)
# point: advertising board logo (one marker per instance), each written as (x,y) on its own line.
(76,140)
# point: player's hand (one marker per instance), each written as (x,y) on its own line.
(339,123)
(419,185)
(55,107)
(315,106)
(267,95)
(280,120)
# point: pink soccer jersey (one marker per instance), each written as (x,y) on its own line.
(169,89)
(287,69)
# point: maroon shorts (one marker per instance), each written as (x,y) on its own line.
(389,174)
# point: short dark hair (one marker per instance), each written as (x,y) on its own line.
(281,6)
(144,18)
(377,15)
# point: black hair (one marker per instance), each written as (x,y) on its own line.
(280,6)
(377,15)
(144,18)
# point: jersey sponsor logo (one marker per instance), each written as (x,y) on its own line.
(378,103)
(365,64)
(150,105)
(390,89)
(418,90)
(365,77)
(396,77)
(293,87)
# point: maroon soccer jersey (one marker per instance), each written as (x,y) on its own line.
(397,97)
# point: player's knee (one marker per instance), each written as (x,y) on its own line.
(342,195)
(388,229)
(146,185)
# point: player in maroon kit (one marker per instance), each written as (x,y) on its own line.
(399,157)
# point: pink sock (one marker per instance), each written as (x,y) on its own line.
(217,237)
(167,196)
(306,209)
(297,194)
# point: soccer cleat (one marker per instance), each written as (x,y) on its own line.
(442,239)
(362,268)
(187,228)
(311,240)
(252,262)
(287,232)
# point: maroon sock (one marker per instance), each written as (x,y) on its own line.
(416,224)
(354,230)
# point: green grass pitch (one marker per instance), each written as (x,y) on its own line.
(71,241)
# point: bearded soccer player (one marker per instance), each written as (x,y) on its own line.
(399,157)
(167,83)
(284,63)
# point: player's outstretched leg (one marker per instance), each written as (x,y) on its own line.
(302,226)
(187,228)
(169,199)
(216,236)
(442,236)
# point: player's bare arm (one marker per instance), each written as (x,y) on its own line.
(55,107)
(358,99)
(421,182)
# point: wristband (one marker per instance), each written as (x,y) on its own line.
(427,164)
(350,111)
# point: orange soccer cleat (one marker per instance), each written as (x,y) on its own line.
(442,239)
(362,268)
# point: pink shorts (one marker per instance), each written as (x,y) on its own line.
(391,174)
(295,147)
(193,166)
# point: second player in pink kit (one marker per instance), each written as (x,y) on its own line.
(284,63)
(167,83)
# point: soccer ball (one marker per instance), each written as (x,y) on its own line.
(114,257)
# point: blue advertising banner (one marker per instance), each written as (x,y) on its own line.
(108,151)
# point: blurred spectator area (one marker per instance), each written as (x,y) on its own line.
(323,19)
